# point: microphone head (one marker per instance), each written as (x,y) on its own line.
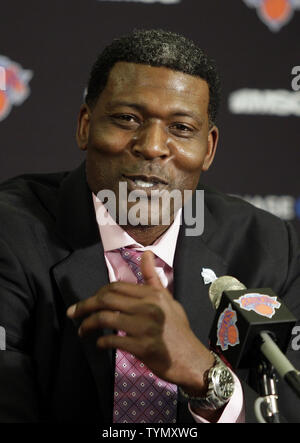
(241,316)
(221,284)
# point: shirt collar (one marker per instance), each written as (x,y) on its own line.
(115,237)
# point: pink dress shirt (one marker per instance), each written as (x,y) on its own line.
(114,237)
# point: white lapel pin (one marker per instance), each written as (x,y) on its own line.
(208,275)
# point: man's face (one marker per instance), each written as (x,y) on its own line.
(150,129)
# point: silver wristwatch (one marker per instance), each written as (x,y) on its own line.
(220,387)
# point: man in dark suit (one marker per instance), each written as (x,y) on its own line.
(148,121)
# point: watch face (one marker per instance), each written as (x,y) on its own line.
(223,383)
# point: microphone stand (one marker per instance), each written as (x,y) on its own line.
(268,391)
(273,359)
(283,366)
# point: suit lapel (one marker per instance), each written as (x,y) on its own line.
(83,272)
(192,254)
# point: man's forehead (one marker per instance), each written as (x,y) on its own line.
(135,75)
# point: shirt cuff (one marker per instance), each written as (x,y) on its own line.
(234,412)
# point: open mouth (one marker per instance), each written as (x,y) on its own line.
(145,182)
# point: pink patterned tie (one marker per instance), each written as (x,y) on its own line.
(140,396)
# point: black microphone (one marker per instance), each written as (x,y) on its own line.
(247,324)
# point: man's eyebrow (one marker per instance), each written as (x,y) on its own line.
(191,114)
(141,107)
(114,104)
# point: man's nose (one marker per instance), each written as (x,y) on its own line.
(151,141)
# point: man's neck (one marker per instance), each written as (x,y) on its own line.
(145,235)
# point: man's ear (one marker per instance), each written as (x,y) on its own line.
(83,127)
(212,142)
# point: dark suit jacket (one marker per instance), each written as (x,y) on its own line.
(51,256)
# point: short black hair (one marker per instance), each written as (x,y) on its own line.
(160,48)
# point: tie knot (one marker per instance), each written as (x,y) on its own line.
(131,253)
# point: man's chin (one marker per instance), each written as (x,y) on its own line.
(146,214)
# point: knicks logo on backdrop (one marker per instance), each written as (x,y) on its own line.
(274,13)
(14,88)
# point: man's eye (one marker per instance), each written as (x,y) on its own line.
(125,119)
(182,129)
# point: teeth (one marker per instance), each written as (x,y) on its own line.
(143,184)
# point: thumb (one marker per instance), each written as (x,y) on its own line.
(148,270)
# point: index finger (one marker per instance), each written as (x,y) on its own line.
(148,270)
(95,302)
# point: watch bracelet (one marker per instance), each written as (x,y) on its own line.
(205,402)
